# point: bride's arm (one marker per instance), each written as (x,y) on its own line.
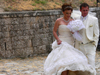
(55,31)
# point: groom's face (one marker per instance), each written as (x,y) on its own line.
(84,11)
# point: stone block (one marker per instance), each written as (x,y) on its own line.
(2,54)
(40,31)
(35,51)
(27,26)
(2,22)
(29,44)
(22,21)
(7,21)
(36,42)
(2,35)
(19,44)
(8,45)
(20,33)
(42,49)
(46,30)
(13,33)
(23,53)
(32,20)
(35,26)
(45,41)
(22,37)
(38,50)
(14,21)
(9,54)
(6,34)
(0,28)
(28,20)
(4,28)
(28,32)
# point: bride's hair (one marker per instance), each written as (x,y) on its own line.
(67,6)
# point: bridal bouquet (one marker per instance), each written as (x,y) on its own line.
(75,26)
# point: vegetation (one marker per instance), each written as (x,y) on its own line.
(19,5)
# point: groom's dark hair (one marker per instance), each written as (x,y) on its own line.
(84,5)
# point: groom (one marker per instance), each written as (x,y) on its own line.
(90,34)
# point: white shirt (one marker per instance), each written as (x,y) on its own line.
(83,18)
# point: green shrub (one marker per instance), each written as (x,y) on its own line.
(33,4)
(24,0)
(63,1)
(41,2)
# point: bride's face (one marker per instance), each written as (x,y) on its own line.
(67,13)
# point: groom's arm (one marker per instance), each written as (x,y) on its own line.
(96,31)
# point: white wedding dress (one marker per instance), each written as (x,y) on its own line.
(65,57)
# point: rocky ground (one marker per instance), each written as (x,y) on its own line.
(30,66)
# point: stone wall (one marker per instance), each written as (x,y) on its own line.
(97,11)
(27,33)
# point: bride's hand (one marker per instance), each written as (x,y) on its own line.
(59,42)
(72,32)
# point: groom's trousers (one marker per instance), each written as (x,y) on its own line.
(89,50)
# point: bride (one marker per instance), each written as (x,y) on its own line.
(64,59)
